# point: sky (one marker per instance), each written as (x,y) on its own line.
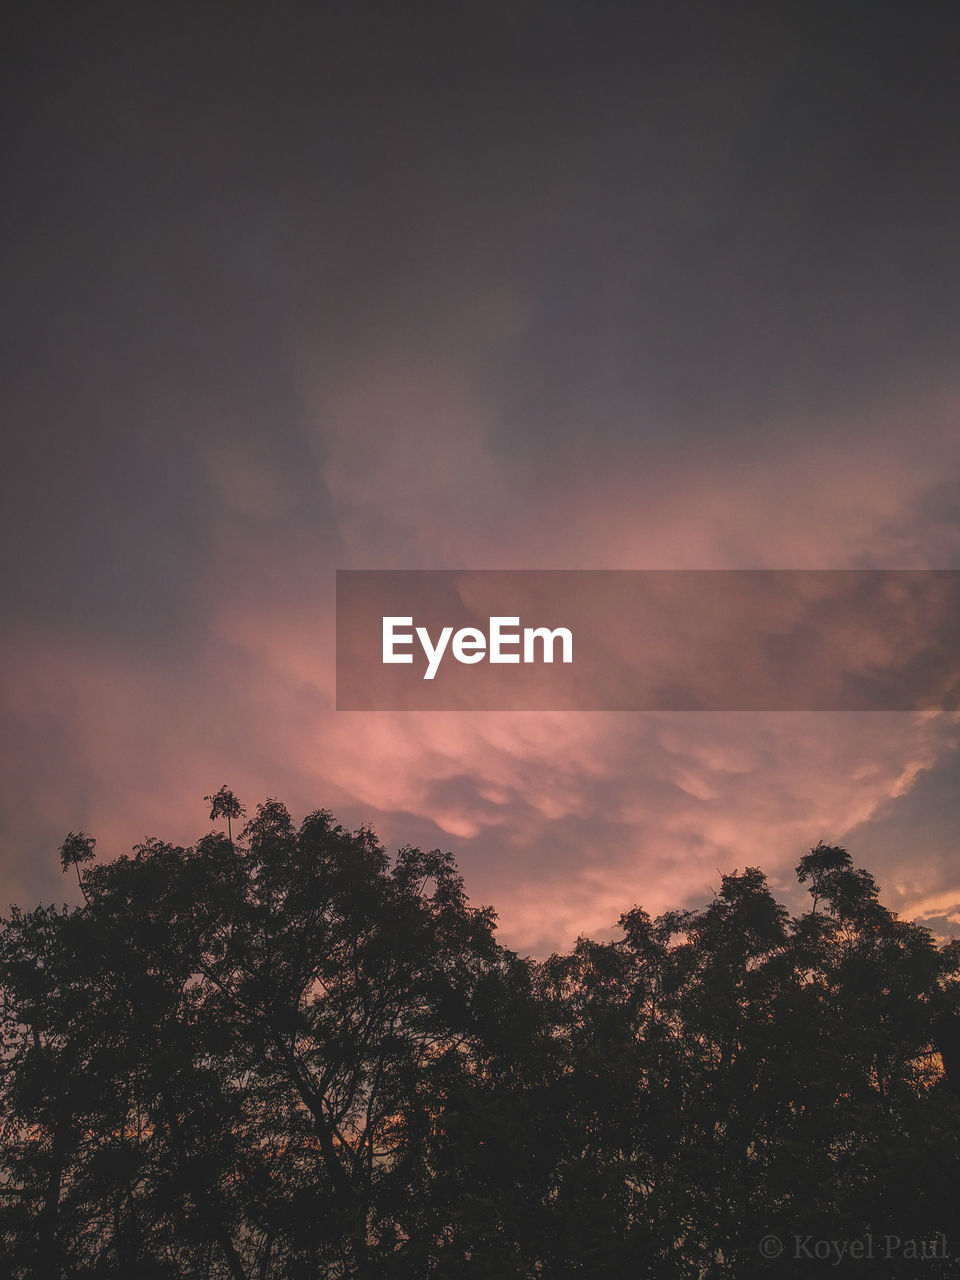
(532,285)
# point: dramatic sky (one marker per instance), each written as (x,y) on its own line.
(297,287)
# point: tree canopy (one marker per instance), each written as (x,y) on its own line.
(288,1054)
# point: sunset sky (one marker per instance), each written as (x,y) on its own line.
(301,287)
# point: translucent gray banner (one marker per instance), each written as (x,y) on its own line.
(648,640)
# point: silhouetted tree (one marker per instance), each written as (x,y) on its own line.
(224,804)
(78,847)
(294,1056)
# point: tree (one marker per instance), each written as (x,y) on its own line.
(229,1060)
(292,1055)
(77,847)
(224,804)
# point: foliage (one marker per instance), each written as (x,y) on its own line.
(224,804)
(290,1055)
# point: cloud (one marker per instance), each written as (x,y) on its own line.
(560,820)
(577,289)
